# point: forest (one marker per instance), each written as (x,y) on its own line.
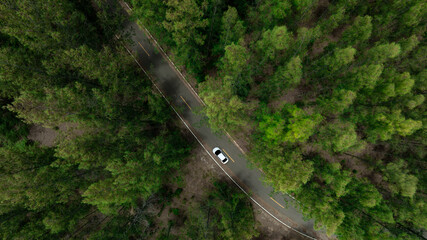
(62,68)
(327,94)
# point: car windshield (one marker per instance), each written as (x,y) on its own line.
(217,152)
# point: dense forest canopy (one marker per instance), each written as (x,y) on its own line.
(61,67)
(330,95)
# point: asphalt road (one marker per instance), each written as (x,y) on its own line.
(187,105)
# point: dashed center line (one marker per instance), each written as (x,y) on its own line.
(186,103)
(276,202)
(228,155)
(143,48)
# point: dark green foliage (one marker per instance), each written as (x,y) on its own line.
(226,214)
(61,67)
(359,32)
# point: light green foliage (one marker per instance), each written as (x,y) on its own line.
(365,76)
(383,212)
(224,110)
(320,206)
(415,101)
(235,60)
(300,125)
(341,58)
(340,100)
(232,28)
(273,41)
(290,74)
(381,53)
(184,19)
(360,31)
(421,80)
(408,44)
(412,210)
(399,179)
(272,127)
(415,14)
(394,84)
(285,169)
(288,170)
(338,137)
(368,195)
(291,125)
(403,83)
(385,123)
(336,178)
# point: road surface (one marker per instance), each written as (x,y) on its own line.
(187,104)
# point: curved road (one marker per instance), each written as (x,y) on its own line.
(186,103)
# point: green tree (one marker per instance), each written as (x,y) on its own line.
(226,213)
(184,19)
(339,102)
(415,101)
(338,137)
(415,14)
(399,179)
(223,109)
(365,76)
(273,12)
(287,171)
(232,29)
(234,61)
(300,125)
(340,58)
(320,206)
(337,178)
(367,195)
(273,41)
(383,123)
(236,213)
(151,13)
(381,53)
(408,44)
(272,127)
(360,31)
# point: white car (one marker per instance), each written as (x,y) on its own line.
(220,155)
